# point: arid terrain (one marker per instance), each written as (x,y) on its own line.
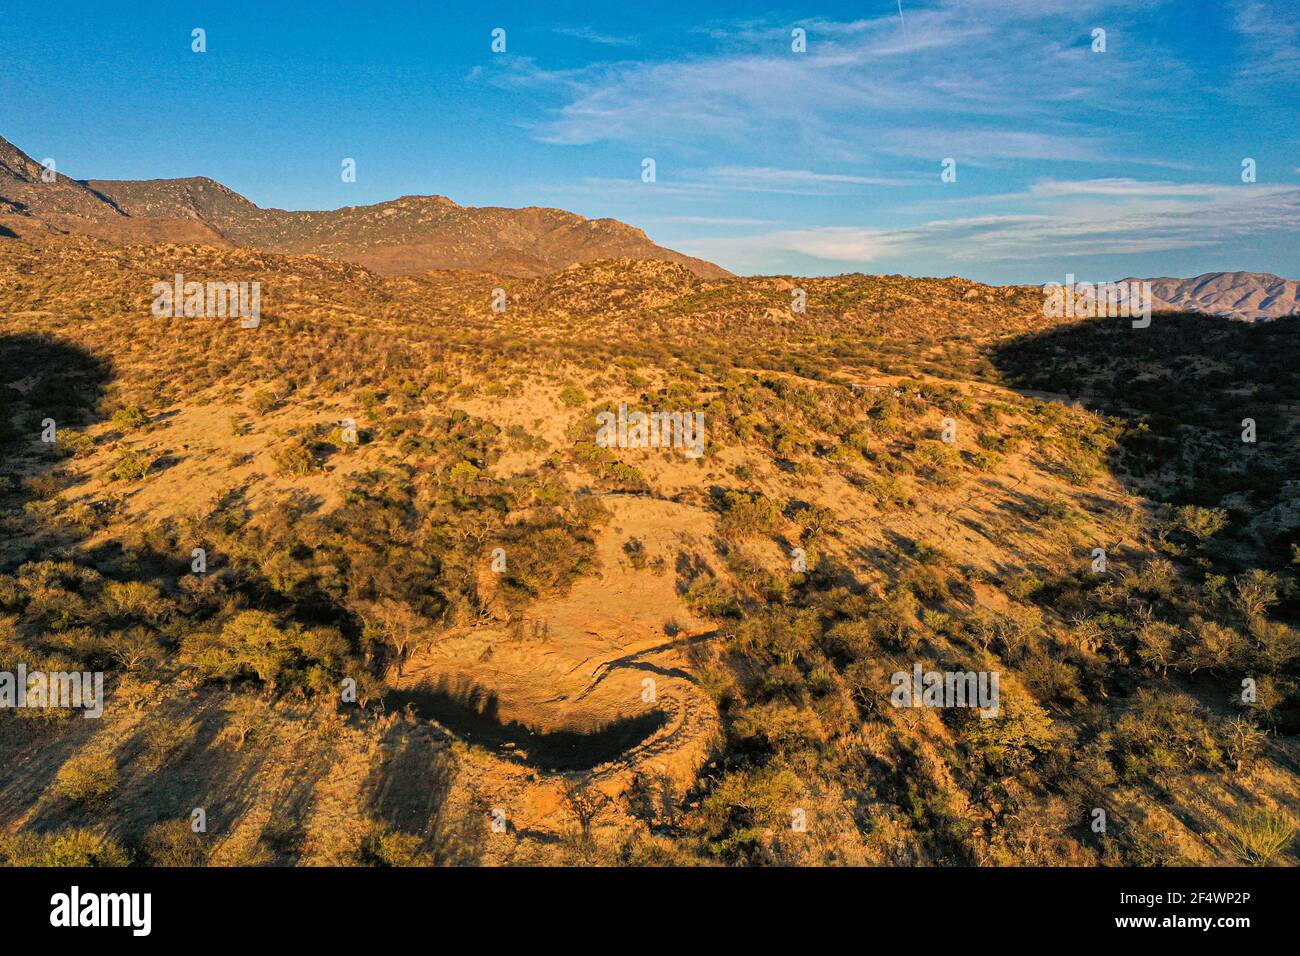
(436,621)
(1234,295)
(408,235)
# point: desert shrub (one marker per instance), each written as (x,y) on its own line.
(162,739)
(1199,523)
(1158,578)
(245,714)
(1157,643)
(786,635)
(634,548)
(1023,587)
(73,847)
(74,444)
(132,466)
(384,847)
(573,396)
(545,560)
(814,522)
(463,472)
(889,492)
(1163,732)
(134,600)
(1260,837)
(585,803)
(1077,466)
(297,458)
(283,834)
(1244,741)
(1277,645)
(778,725)
(257,644)
(938,463)
(1254,592)
(174,843)
(130,417)
(709,597)
(738,817)
(262,401)
(86,779)
(396,625)
(1211,645)
(522,439)
(749,515)
(1012,741)
(1010,633)
(929,582)
(1051,679)
(1153,842)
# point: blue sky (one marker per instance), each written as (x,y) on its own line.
(1126,162)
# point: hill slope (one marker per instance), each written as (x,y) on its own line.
(878,490)
(404,236)
(1235,295)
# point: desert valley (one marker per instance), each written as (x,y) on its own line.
(367,587)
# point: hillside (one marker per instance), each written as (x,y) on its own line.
(629,655)
(1246,296)
(40,211)
(405,236)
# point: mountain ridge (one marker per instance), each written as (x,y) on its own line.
(1247,296)
(407,235)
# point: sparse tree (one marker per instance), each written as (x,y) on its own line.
(398,626)
(586,802)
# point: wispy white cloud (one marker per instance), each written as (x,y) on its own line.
(1047,134)
(770,178)
(1120,222)
(1116,186)
(711,220)
(609,188)
(1271,39)
(996,78)
(981,146)
(715,183)
(595,36)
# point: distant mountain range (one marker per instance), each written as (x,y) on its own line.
(1236,295)
(414,234)
(408,235)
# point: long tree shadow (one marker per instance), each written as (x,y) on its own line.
(409,792)
(1210,407)
(48,388)
(1207,412)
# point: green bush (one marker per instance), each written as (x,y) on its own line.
(74,847)
(747,516)
(573,396)
(130,417)
(130,467)
(86,779)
